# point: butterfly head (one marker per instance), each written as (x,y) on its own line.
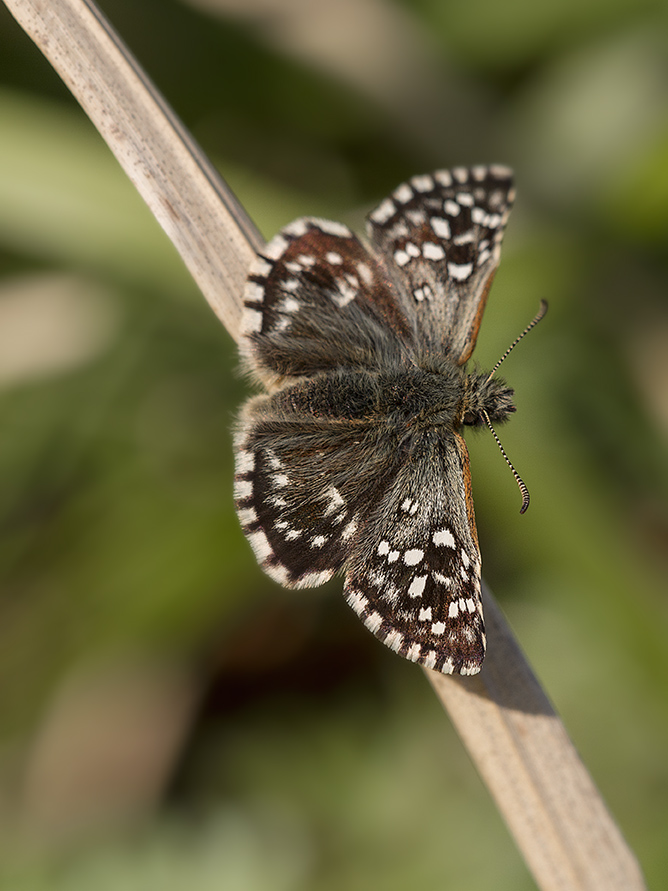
(486,396)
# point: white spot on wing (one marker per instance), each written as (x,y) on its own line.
(373,621)
(260,544)
(460,271)
(278,573)
(245,461)
(357,601)
(289,305)
(443,537)
(261,267)
(394,640)
(251,322)
(333,228)
(413,653)
(500,171)
(297,227)
(478,216)
(417,586)
(383,212)
(242,489)
(350,529)
(365,273)
(247,515)
(276,247)
(441,227)
(413,557)
(335,500)
(432,251)
(420,294)
(254,292)
(274,461)
(422,183)
(314,579)
(403,194)
(346,293)
(465,238)
(430,659)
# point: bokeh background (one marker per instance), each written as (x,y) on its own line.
(169,717)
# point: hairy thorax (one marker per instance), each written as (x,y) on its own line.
(405,397)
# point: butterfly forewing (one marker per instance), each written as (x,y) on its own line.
(316,299)
(440,237)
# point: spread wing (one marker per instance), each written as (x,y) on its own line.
(414,574)
(439,237)
(317,298)
(318,496)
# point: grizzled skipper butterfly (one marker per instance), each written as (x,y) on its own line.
(355,462)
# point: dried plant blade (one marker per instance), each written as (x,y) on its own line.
(206,224)
(532,769)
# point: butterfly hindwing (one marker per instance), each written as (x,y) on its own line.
(440,236)
(414,577)
(302,484)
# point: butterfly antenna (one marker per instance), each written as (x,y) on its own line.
(532,324)
(518,479)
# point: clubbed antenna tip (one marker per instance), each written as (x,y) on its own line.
(518,479)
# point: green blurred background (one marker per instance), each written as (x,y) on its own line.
(170,718)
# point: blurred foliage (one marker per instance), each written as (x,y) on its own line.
(315,759)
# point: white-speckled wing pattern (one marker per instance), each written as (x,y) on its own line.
(336,471)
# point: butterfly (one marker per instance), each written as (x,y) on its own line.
(353,462)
